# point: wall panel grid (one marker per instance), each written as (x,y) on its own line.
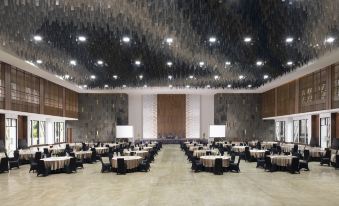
(192,116)
(149,111)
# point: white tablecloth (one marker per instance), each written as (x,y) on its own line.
(101,150)
(55,163)
(83,154)
(208,161)
(281,160)
(238,148)
(139,153)
(131,161)
(199,153)
(257,153)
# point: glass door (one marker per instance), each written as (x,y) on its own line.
(325,133)
(11,139)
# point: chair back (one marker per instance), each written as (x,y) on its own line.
(306,154)
(268,161)
(4,164)
(37,156)
(41,169)
(16,155)
(208,153)
(237,159)
(46,151)
(218,166)
(72,165)
(337,161)
(295,164)
(121,166)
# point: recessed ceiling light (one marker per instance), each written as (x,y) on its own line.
(265,76)
(100,62)
(126,39)
(170,86)
(39,61)
(169,64)
(73,62)
(145,85)
(241,77)
(216,77)
(170,77)
(66,76)
(212,39)
(228,63)
(201,64)
(85,86)
(208,86)
(141,76)
(124,86)
(106,86)
(187,86)
(191,76)
(37,38)
(330,40)
(289,40)
(249,86)
(115,76)
(259,63)
(169,40)
(92,76)
(289,63)
(229,86)
(247,39)
(82,38)
(137,62)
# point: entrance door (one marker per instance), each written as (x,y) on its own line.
(325,132)
(11,136)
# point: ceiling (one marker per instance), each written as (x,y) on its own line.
(86,42)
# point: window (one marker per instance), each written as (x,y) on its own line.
(38,134)
(280,130)
(59,132)
(300,133)
(11,136)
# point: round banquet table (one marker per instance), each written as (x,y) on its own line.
(257,153)
(199,153)
(281,160)
(56,150)
(147,148)
(131,161)
(26,154)
(55,163)
(139,153)
(238,148)
(208,161)
(101,150)
(83,154)
(268,145)
(316,152)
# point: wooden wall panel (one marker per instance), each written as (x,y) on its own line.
(268,103)
(171,114)
(315,127)
(2,131)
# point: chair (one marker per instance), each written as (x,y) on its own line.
(122,169)
(248,156)
(4,165)
(15,161)
(33,164)
(268,164)
(105,164)
(144,166)
(208,153)
(294,167)
(218,170)
(78,162)
(94,155)
(327,158)
(261,162)
(37,156)
(337,161)
(41,169)
(303,164)
(197,165)
(72,167)
(235,165)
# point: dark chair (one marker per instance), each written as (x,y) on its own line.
(41,169)
(218,170)
(294,167)
(72,167)
(15,161)
(33,165)
(235,165)
(105,165)
(79,162)
(94,155)
(37,156)
(261,162)
(208,153)
(268,164)
(248,156)
(122,169)
(336,161)
(327,158)
(303,164)
(4,165)
(197,165)
(46,153)
(144,166)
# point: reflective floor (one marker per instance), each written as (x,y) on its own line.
(171,182)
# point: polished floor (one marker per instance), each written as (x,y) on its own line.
(171,182)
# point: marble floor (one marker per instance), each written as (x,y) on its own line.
(171,182)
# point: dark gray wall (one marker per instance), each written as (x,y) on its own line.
(242,115)
(98,116)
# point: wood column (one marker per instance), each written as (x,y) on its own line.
(42,97)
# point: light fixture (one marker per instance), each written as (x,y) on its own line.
(212,39)
(247,39)
(265,76)
(145,86)
(66,76)
(100,62)
(106,86)
(229,86)
(82,38)
(259,63)
(170,77)
(201,64)
(115,76)
(289,63)
(170,86)
(37,38)
(169,64)
(249,86)
(39,61)
(241,77)
(141,76)
(85,86)
(73,62)
(191,76)
(169,40)
(208,86)
(124,86)
(329,40)
(216,77)
(228,63)
(289,40)
(92,76)
(126,39)
(187,86)
(137,62)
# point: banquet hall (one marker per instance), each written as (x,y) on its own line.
(169,102)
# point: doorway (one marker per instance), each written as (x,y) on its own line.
(11,139)
(325,132)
